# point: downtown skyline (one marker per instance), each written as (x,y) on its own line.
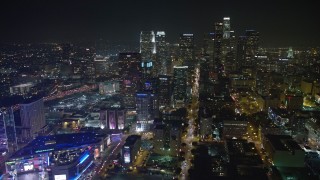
(279,23)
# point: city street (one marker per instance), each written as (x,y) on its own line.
(192,115)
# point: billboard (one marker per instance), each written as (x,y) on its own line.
(126,154)
(60,177)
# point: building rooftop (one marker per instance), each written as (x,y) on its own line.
(131,140)
(283,142)
(56,142)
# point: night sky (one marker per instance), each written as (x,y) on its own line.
(280,22)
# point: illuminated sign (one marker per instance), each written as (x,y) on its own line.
(60,177)
(44,150)
(28,167)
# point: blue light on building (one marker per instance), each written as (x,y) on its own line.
(83,158)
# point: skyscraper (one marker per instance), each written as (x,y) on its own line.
(217,53)
(147,45)
(241,52)
(3,135)
(186,47)
(228,46)
(252,46)
(32,119)
(164,91)
(162,53)
(226,28)
(146,106)
(180,78)
(130,72)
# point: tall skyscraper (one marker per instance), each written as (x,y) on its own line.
(241,52)
(228,46)
(217,54)
(162,53)
(146,107)
(147,45)
(148,54)
(3,135)
(164,91)
(252,46)
(226,27)
(32,119)
(8,117)
(186,47)
(130,72)
(180,78)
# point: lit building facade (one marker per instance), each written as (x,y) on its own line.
(146,105)
(162,53)
(186,47)
(164,90)
(32,119)
(180,82)
(130,149)
(8,136)
(113,118)
(131,75)
(147,45)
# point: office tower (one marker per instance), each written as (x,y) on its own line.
(32,119)
(164,91)
(167,138)
(217,54)
(3,135)
(186,47)
(252,46)
(146,104)
(180,78)
(130,72)
(162,53)
(100,66)
(229,53)
(7,117)
(241,52)
(147,45)
(226,28)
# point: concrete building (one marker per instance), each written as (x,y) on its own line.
(283,151)
(32,119)
(146,104)
(130,149)
(234,129)
(21,89)
(167,138)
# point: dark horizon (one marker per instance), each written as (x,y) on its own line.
(280,24)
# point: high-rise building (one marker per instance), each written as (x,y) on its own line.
(100,66)
(7,117)
(226,28)
(167,138)
(180,78)
(130,72)
(228,49)
(146,104)
(32,119)
(241,52)
(186,47)
(217,53)
(162,53)
(3,135)
(164,91)
(147,45)
(252,46)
